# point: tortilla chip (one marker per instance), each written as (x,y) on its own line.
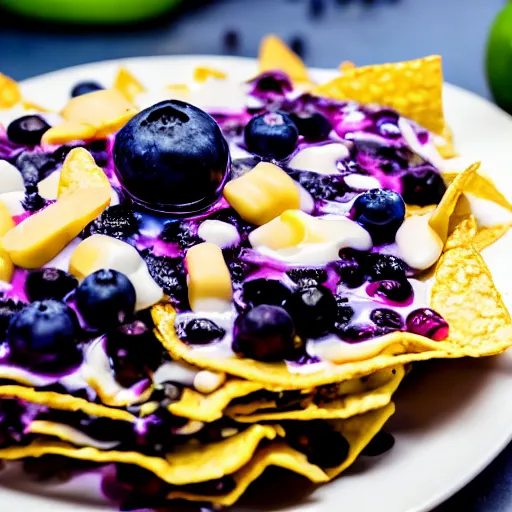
(185,465)
(202,74)
(208,408)
(413,88)
(339,408)
(445,146)
(358,431)
(465,295)
(63,402)
(126,83)
(488,235)
(275,55)
(10,93)
(440,220)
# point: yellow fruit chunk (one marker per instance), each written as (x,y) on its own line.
(202,74)
(178,91)
(209,281)
(6,267)
(68,132)
(262,194)
(80,171)
(275,55)
(30,105)
(107,111)
(10,93)
(413,88)
(128,85)
(6,222)
(39,238)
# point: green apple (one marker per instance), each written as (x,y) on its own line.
(90,11)
(499,59)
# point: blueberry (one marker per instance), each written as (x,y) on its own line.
(8,308)
(322,445)
(44,334)
(381,443)
(33,202)
(105,299)
(357,333)
(387,318)
(199,331)
(423,186)
(275,82)
(396,291)
(265,291)
(116,221)
(385,266)
(35,166)
(381,212)
(314,127)
(271,135)
(82,88)
(49,283)
(170,275)
(305,277)
(239,270)
(160,168)
(351,268)
(184,233)
(426,322)
(344,313)
(313,310)
(321,187)
(27,130)
(134,352)
(264,333)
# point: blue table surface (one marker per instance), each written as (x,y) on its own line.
(363,31)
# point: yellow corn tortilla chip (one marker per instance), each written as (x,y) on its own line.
(277,454)
(339,408)
(413,88)
(10,93)
(440,219)
(460,271)
(126,83)
(186,464)
(63,402)
(208,408)
(445,147)
(275,55)
(358,431)
(488,235)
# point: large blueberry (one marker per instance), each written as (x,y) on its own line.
(313,126)
(313,310)
(427,322)
(43,334)
(105,299)
(423,186)
(49,283)
(172,157)
(265,291)
(264,333)
(380,212)
(27,130)
(271,135)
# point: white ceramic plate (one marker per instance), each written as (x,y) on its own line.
(453,417)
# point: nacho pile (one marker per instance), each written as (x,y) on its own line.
(192,333)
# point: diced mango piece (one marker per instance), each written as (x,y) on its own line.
(10,93)
(202,74)
(101,251)
(68,132)
(6,222)
(80,171)
(107,110)
(262,194)
(6,267)
(275,55)
(39,238)
(209,281)
(128,85)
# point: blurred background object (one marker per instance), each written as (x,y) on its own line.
(324,32)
